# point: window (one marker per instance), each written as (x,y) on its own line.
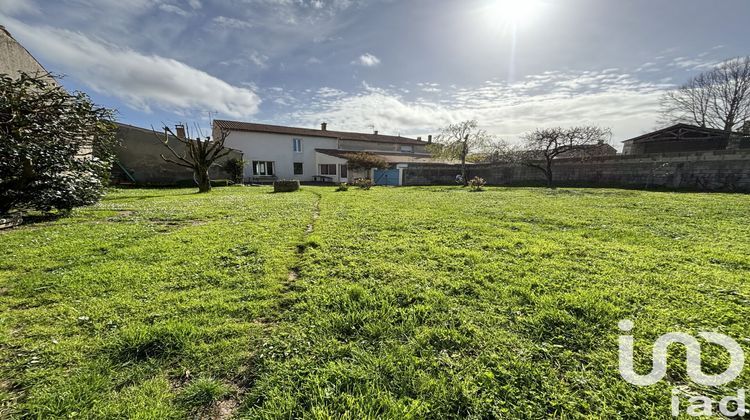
(297,145)
(262,168)
(405,148)
(298,168)
(344,170)
(327,169)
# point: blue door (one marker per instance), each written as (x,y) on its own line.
(386,177)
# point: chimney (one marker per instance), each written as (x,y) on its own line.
(429,139)
(323,126)
(419,138)
(376,132)
(179,130)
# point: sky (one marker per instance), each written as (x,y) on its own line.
(404,67)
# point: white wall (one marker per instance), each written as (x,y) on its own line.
(323,159)
(278,149)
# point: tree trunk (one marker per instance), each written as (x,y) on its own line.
(464,152)
(204,181)
(548,173)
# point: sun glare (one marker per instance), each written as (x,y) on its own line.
(516,12)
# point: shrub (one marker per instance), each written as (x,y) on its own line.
(476,183)
(56,149)
(235,168)
(365,160)
(286,185)
(342,187)
(363,183)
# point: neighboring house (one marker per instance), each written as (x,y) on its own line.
(279,152)
(590,150)
(15,59)
(686,138)
(139,159)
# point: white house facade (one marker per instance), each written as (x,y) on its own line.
(278,152)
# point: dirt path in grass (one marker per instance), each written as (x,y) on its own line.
(294,271)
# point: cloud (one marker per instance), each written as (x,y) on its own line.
(231,23)
(367,60)
(608,97)
(16,7)
(139,80)
(195,4)
(170,8)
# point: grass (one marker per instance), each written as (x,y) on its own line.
(399,303)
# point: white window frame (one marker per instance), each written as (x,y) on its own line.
(302,166)
(327,166)
(407,148)
(297,145)
(260,168)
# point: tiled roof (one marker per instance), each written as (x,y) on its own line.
(713,132)
(296,131)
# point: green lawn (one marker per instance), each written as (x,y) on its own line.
(394,302)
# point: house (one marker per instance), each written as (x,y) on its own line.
(14,58)
(138,160)
(279,152)
(686,138)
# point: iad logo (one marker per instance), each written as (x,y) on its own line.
(699,405)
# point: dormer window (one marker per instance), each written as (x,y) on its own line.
(407,148)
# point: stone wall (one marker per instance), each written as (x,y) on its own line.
(139,153)
(724,170)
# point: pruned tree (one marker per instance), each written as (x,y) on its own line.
(718,98)
(457,141)
(542,147)
(364,160)
(56,148)
(198,155)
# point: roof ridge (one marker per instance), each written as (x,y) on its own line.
(342,135)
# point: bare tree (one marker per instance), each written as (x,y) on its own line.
(199,155)
(718,98)
(457,141)
(542,147)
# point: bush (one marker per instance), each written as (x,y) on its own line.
(363,183)
(365,161)
(476,183)
(342,187)
(236,169)
(56,149)
(286,185)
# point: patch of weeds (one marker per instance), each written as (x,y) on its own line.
(143,342)
(203,392)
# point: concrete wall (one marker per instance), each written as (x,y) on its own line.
(140,154)
(14,58)
(707,171)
